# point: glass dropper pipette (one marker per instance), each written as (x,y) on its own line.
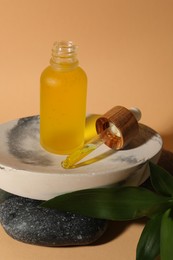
(116,129)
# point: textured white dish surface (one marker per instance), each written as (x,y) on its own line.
(27,170)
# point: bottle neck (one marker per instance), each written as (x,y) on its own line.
(64,56)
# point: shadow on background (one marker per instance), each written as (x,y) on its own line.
(166,160)
(116,228)
(167,140)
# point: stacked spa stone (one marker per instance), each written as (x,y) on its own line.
(25,220)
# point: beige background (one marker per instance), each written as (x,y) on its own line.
(126,48)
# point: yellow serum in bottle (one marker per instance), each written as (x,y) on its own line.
(63,90)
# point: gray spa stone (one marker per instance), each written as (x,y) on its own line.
(4,195)
(24,220)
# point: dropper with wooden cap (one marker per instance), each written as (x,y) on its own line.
(116,128)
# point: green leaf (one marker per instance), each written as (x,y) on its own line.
(148,247)
(111,203)
(166,236)
(161,180)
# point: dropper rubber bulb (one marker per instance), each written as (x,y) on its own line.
(116,129)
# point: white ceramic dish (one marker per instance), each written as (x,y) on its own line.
(27,170)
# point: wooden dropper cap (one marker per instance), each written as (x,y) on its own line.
(118,126)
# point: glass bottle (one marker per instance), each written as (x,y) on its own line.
(63,89)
